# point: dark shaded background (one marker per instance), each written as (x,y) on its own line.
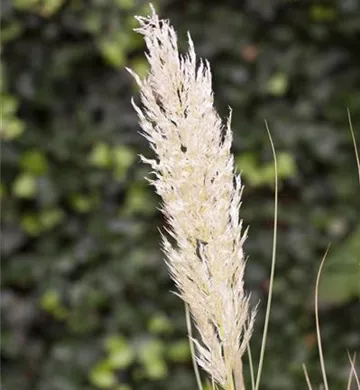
(86,300)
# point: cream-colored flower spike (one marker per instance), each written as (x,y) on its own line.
(194,175)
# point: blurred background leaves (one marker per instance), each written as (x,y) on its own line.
(86,301)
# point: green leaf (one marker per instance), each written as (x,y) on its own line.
(47,219)
(45,8)
(151,354)
(116,342)
(123,158)
(286,166)
(25,186)
(150,350)
(35,162)
(179,351)
(258,175)
(125,4)
(93,21)
(12,129)
(322,13)
(100,156)
(8,104)
(114,47)
(82,203)
(11,126)
(11,31)
(102,376)
(120,353)
(277,85)
(25,4)
(156,369)
(340,280)
(140,66)
(139,200)
(160,324)
(51,302)
(49,7)
(31,224)
(51,217)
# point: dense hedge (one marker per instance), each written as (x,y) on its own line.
(86,300)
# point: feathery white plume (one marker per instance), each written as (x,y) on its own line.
(194,175)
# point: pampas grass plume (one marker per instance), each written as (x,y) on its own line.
(194,174)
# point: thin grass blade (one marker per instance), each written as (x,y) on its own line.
(318,333)
(251,365)
(353,372)
(307,377)
(354,142)
(273,262)
(192,348)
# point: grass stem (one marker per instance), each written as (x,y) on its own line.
(192,349)
(273,262)
(307,377)
(354,142)
(318,333)
(252,376)
(353,373)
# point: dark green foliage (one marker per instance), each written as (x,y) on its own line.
(86,299)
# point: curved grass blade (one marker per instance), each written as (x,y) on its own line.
(273,262)
(354,142)
(318,333)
